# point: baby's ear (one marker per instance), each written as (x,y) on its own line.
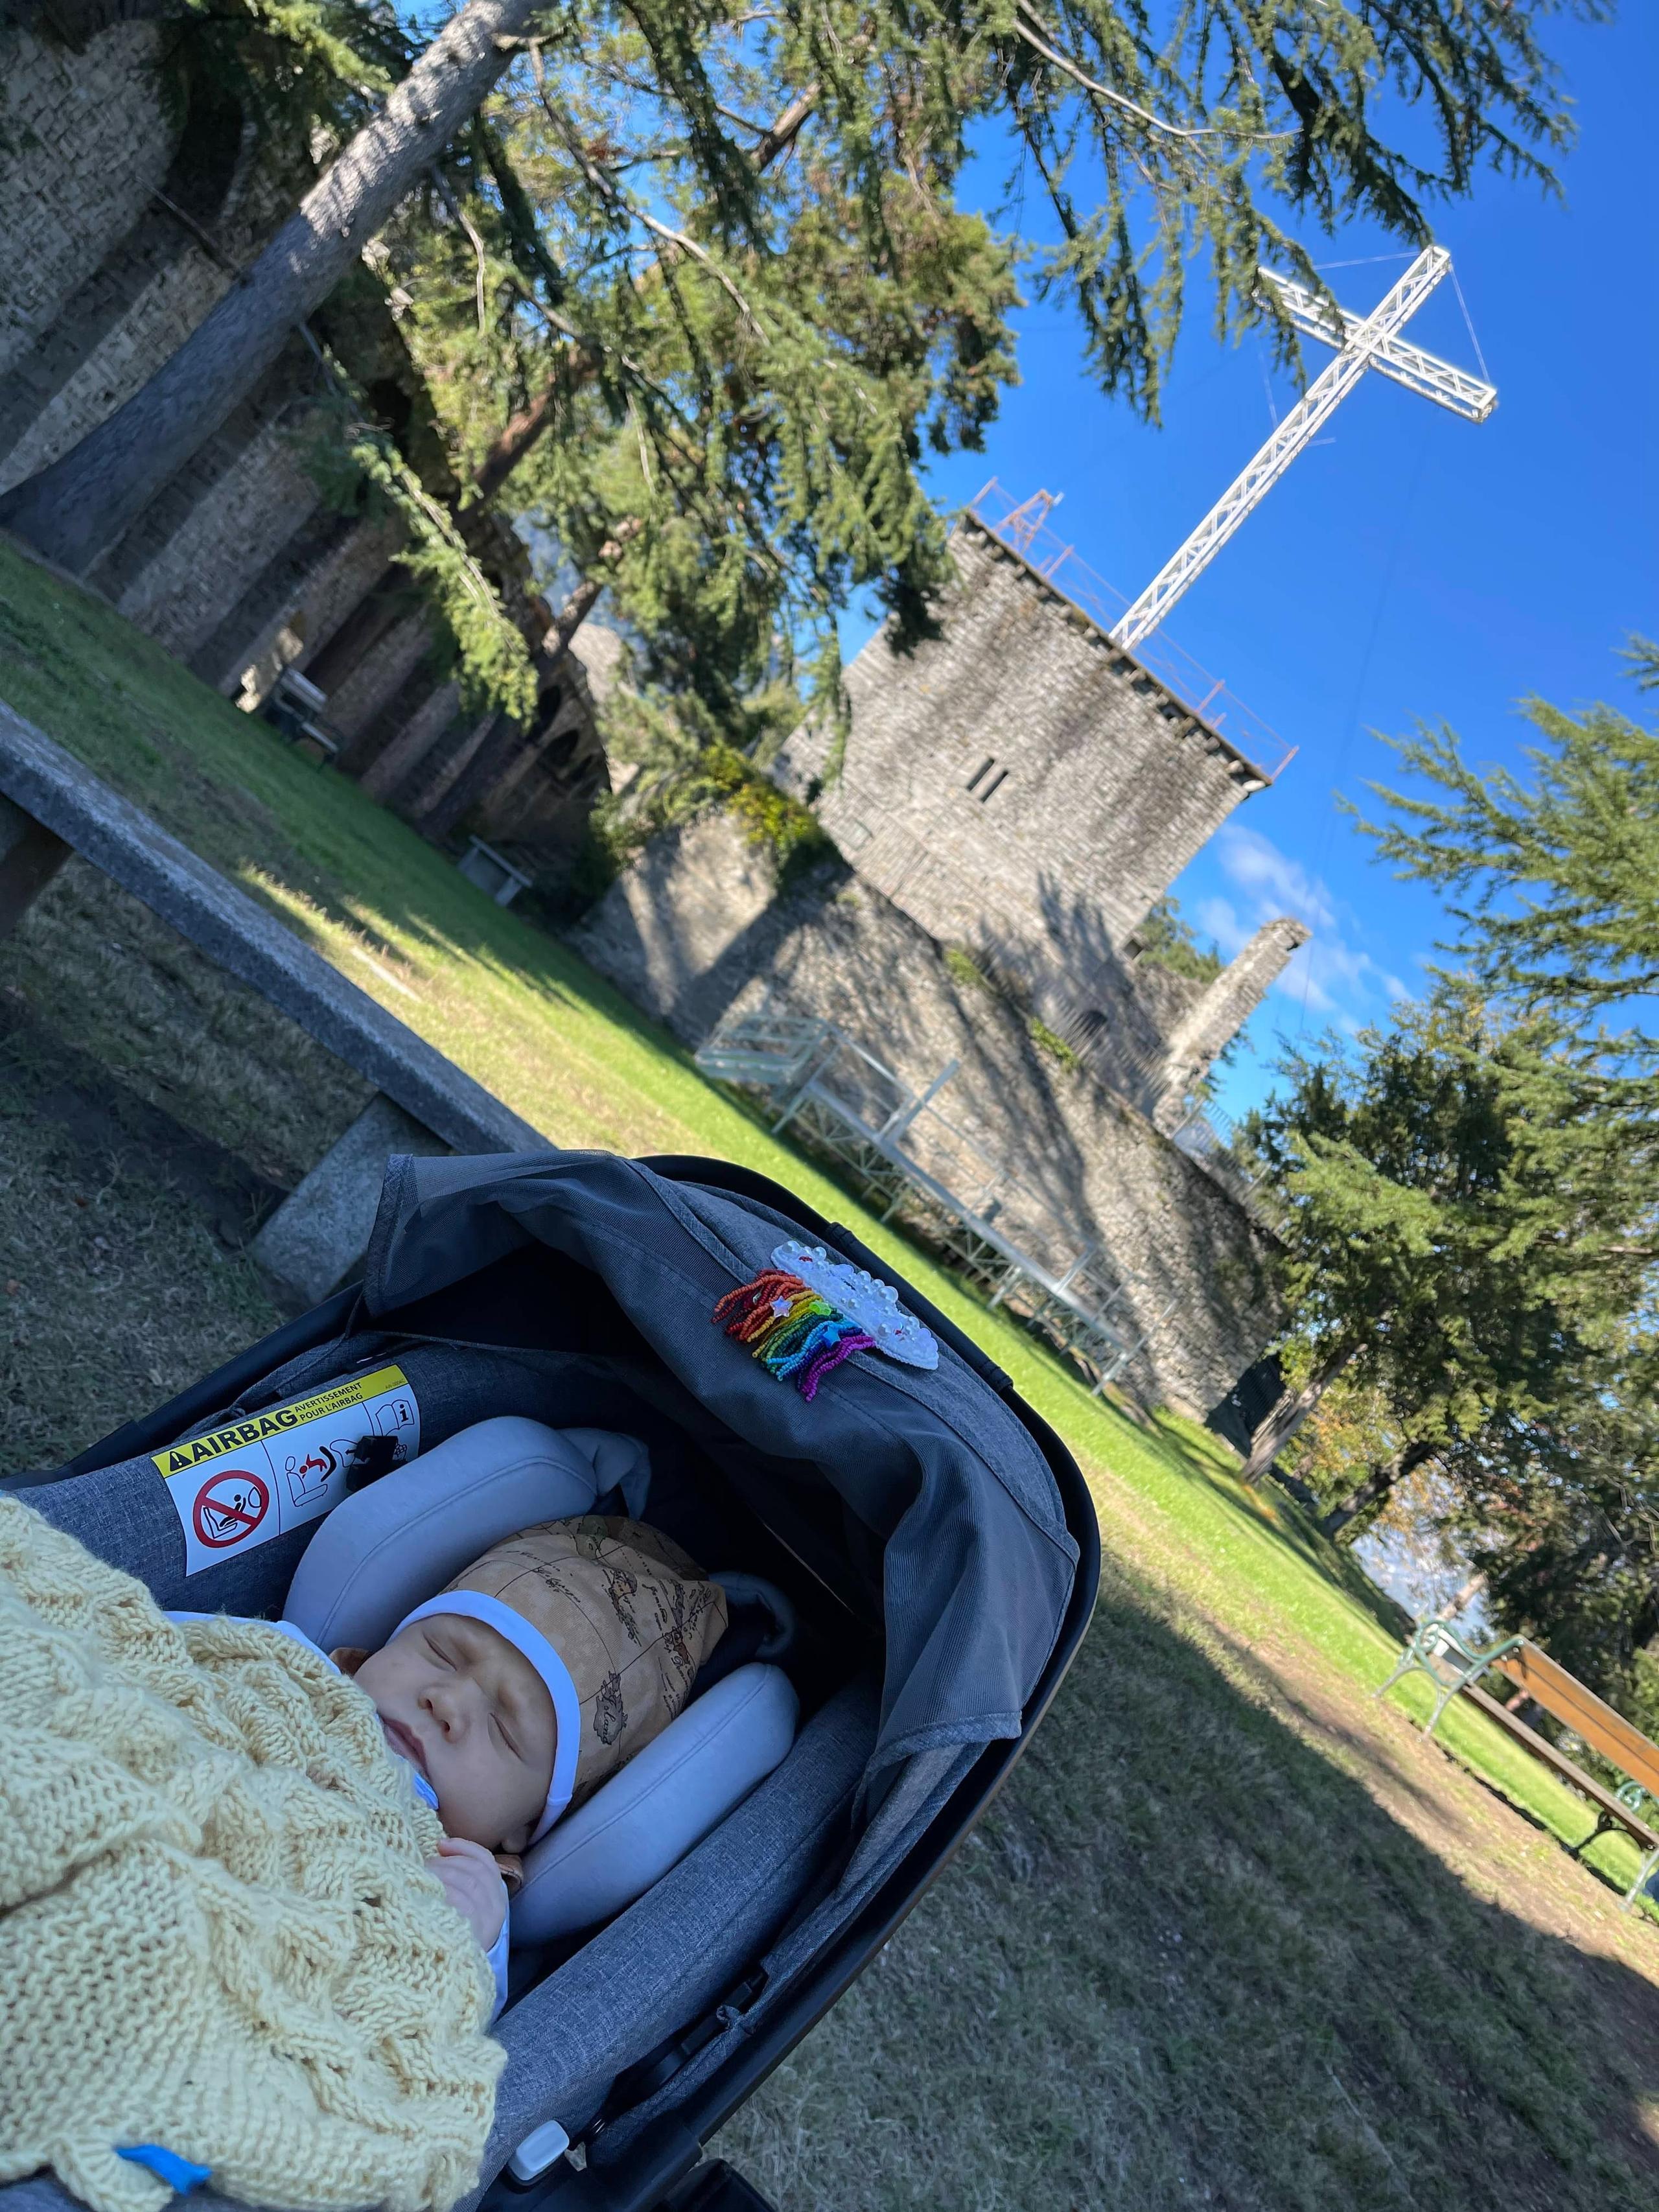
(349,1657)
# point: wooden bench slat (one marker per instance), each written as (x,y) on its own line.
(1542,1748)
(1587,1716)
(1456,1665)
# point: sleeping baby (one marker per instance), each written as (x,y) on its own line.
(536,1673)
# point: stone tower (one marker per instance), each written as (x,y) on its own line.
(1221,1009)
(1023,787)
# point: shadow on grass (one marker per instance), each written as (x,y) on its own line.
(226,785)
(1188,1960)
(1280,1686)
(1593,1839)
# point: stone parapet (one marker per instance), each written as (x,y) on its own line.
(51,788)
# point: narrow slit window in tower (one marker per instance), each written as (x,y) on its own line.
(982,771)
(988,790)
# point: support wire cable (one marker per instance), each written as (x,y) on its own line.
(1468,324)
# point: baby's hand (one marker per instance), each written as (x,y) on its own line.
(472,1883)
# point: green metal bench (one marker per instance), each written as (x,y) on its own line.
(1456,1665)
(1449,1660)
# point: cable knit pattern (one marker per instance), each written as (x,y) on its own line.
(216,1928)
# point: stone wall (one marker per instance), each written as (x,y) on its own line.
(127,205)
(294,604)
(83,145)
(119,186)
(1019,766)
(381,673)
(1020,785)
(1217,1014)
(694,930)
(129,339)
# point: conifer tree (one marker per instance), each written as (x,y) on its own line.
(1552,877)
(1211,131)
(81,502)
(1203,133)
(1560,1515)
(773,301)
(1456,1239)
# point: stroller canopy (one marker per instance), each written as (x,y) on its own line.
(975,1562)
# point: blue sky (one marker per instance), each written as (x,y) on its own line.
(1415,566)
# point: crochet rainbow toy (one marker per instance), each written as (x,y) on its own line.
(795,1334)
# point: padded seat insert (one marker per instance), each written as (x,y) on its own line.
(391,1546)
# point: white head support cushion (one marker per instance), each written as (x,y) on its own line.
(668,1797)
(384,1551)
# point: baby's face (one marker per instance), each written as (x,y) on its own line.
(458,1701)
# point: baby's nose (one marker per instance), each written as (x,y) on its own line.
(447,1707)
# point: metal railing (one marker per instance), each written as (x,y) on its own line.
(1021,527)
(1209,1136)
(919,1168)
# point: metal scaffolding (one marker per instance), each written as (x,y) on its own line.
(917,1167)
(1362,342)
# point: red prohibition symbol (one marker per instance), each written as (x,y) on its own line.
(229,1507)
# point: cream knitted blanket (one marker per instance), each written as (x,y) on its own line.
(217,1930)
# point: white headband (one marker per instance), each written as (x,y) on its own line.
(473,1605)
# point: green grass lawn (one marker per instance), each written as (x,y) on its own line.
(1237,1938)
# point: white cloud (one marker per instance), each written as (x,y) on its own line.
(1256,865)
(1219,918)
(1331,977)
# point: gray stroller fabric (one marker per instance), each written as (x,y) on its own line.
(679,1949)
(122,1513)
(935,1777)
(976,1562)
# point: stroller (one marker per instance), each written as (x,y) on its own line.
(910,1555)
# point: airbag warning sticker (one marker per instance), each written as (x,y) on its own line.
(241,1485)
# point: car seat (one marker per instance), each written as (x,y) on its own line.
(391,1546)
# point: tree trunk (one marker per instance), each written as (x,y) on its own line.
(72,510)
(525,427)
(1293,1409)
(784,131)
(1375,1487)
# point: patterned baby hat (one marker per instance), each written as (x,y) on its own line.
(631,1616)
